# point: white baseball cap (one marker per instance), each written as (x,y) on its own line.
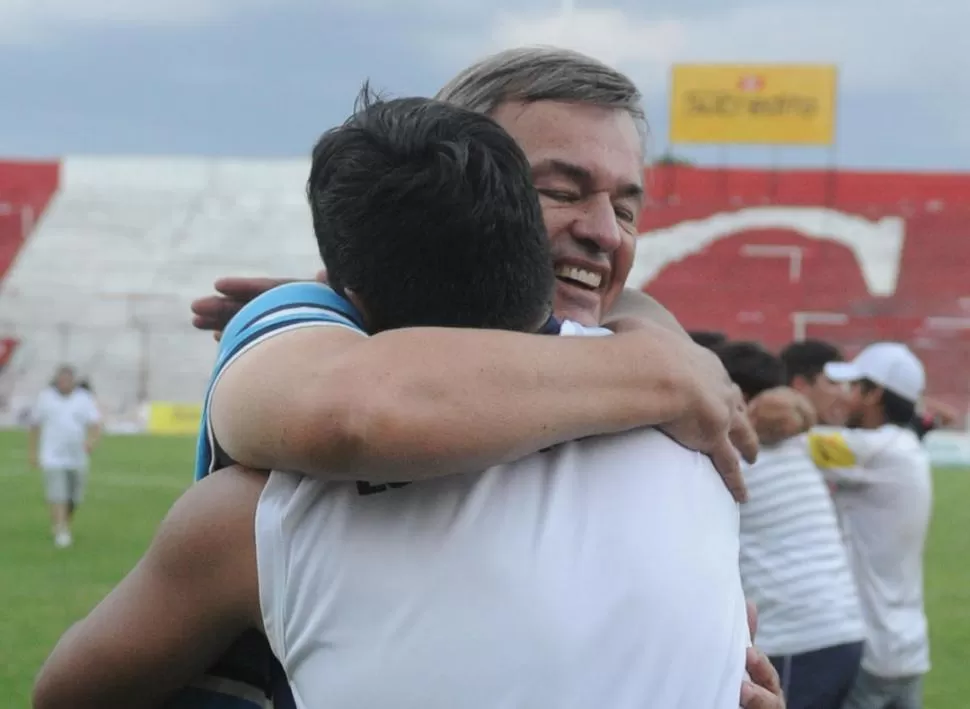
(887,364)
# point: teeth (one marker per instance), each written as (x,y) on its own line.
(580,275)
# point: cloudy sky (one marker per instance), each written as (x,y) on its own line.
(263,78)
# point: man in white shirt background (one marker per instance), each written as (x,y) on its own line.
(65,425)
(794,566)
(883,494)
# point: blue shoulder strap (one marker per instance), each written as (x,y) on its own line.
(283,308)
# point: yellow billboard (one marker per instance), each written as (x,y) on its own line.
(756,104)
(168,418)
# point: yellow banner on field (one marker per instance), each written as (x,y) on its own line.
(756,104)
(167,418)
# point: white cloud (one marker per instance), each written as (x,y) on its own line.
(893,44)
(911,49)
(28,21)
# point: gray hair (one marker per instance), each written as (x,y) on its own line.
(531,74)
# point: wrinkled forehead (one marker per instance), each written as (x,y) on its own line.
(605,142)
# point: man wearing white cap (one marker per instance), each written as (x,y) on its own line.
(883,495)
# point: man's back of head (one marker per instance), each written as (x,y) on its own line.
(805,363)
(425,214)
(709,339)
(753,368)
(806,359)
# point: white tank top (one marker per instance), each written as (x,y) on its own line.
(603,573)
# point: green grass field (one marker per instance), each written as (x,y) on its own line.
(134,480)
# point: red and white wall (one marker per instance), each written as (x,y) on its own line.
(26,188)
(850,257)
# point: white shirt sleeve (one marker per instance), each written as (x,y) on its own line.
(574,329)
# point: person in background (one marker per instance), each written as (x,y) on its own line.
(804,362)
(64,428)
(883,495)
(794,566)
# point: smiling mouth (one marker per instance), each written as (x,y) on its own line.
(575,276)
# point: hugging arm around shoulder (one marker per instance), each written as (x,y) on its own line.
(192,594)
(638,306)
(301,388)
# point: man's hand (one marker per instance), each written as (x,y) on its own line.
(945,414)
(764,690)
(779,414)
(215,311)
(715,422)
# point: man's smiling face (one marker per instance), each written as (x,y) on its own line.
(587,165)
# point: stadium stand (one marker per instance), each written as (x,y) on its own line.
(25,190)
(105,278)
(850,257)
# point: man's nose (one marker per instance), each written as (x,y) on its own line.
(596,225)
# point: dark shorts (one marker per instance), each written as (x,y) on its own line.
(820,679)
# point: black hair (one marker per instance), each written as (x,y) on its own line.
(708,338)
(753,368)
(427,213)
(808,358)
(895,408)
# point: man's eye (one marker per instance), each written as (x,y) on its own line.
(559,196)
(624,214)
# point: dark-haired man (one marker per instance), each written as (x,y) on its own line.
(556,580)
(581,125)
(708,338)
(753,368)
(804,363)
(884,498)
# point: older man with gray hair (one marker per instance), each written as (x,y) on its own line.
(582,128)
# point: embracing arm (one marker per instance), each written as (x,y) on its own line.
(192,594)
(300,388)
(419,402)
(637,305)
